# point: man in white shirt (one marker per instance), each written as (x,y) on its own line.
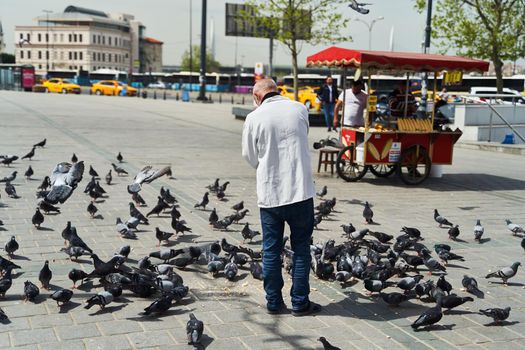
(275,142)
(355,104)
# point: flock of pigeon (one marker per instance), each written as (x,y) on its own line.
(378,259)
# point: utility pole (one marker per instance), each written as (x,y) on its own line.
(426,49)
(270,66)
(191,48)
(202,77)
(47,12)
(370,26)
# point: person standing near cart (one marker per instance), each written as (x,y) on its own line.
(275,142)
(355,103)
(328,96)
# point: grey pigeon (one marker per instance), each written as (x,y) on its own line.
(497,314)
(75,252)
(101,299)
(45,275)
(453,232)
(248,233)
(505,273)
(348,229)
(368,214)
(77,275)
(323,192)
(41,143)
(120,171)
(393,298)
(514,228)
(11,246)
(194,331)
(124,230)
(478,231)
(431,263)
(31,291)
(428,317)
(62,296)
(10,178)
(471,286)
(326,343)
(31,154)
(441,220)
(162,236)
(29,172)
(10,190)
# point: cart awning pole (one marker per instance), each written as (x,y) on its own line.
(343,84)
(367,116)
(434,100)
(406,96)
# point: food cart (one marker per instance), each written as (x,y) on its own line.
(407,146)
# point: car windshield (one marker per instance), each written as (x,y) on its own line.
(68,81)
(290,90)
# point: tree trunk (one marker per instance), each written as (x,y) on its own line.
(498,68)
(295,71)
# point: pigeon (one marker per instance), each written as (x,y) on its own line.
(412,232)
(478,231)
(453,232)
(120,171)
(147,175)
(101,299)
(124,251)
(429,317)
(220,195)
(323,192)
(348,229)
(11,246)
(77,275)
(162,236)
(10,190)
(214,187)
(497,314)
(514,228)
(381,237)
(239,206)
(48,208)
(179,226)
(166,254)
(431,263)
(6,281)
(74,158)
(359,7)
(160,305)
(409,283)
(317,220)
(343,276)
(213,216)
(133,211)
(30,155)
(441,220)
(194,330)
(93,172)
(368,213)
(505,273)
(222,187)
(62,296)
(10,178)
(158,208)
(133,223)
(29,172)
(124,230)
(45,275)
(326,344)
(394,298)
(119,157)
(40,144)
(31,291)
(471,286)
(92,209)
(137,198)
(6,264)
(231,269)
(70,235)
(3,316)
(248,233)
(46,183)
(358,235)
(109,177)
(452,301)
(167,196)
(443,284)
(75,252)
(256,270)
(374,286)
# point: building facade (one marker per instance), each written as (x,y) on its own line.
(152,55)
(80,39)
(2,42)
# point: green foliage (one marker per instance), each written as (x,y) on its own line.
(295,21)
(211,64)
(484,29)
(7,58)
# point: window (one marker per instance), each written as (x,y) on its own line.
(55,55)
(75,55)
(39,55)
(70,37)
(109,41)
(103,40)
(39,37)
(28,37)
(47,37)
(39,66)
(21,54)
(94,39)
(74,37)
(21,36)
(54,38)
(70,55)
(28,54)
(80,37)
(98,36)
(61,55)
(80,55)
(47,55)
(98,56)
(61,38)
(109,57)
(103,57)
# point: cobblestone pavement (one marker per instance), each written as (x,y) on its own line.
(202,142)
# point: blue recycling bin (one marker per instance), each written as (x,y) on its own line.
(185,96)
(508,140)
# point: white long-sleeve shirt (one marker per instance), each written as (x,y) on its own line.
(275,142)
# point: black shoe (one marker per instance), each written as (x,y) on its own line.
(335,129)
(312,308)
(279,311)
(329,129)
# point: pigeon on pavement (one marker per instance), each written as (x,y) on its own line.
(497,314)
(62,296)
(194,330)
(323,192)
(478,231)
(326,344)
(368,214)
(31,291)
(471,286)
(429,317)
(505,273)
(514,228)
(441,220)
(45,275)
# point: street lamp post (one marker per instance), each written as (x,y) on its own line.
(47,12)
(370,26)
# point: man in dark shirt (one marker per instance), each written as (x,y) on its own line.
(328,96)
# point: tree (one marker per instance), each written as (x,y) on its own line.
(7,58)
(211,64)
(484,29)
(292,22)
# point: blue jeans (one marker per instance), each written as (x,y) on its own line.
(300,218)
(328,109)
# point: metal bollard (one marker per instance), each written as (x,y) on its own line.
(154,94)
(144,94)
(138,93)
(210,99)
(232,99)
(90,92)
(243,100)
(220,98)
(164,96)
(177,96)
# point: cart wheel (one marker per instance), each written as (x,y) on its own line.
(414,165)
(346,166)
(382,170)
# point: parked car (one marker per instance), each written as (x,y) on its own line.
(157,85)
(307,95)
(112,87)
(514,96)
(59,85)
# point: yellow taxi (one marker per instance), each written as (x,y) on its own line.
(59,85)
(307,96)
(112,87)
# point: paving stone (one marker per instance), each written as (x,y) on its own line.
(34,336)
(119,327)
(113,342)
(230,330)
(76,344)
(148,339)
(78,331)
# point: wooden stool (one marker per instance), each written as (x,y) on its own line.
(327,156)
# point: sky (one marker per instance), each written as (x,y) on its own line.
(168,21)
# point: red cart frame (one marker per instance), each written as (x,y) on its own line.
(409,153)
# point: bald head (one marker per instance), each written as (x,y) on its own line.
(262,87)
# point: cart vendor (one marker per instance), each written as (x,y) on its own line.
(355,104)
(397,100)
